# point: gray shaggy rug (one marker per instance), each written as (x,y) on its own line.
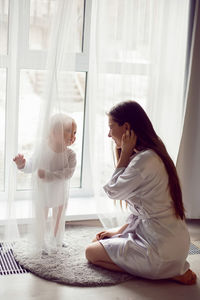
(69,265)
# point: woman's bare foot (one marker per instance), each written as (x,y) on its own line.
(188,278)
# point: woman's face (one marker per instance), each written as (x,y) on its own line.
(116,131)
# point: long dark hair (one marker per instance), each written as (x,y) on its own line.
(132,113)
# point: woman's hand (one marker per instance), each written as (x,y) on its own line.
(128,143)
(104,234)
(20,161)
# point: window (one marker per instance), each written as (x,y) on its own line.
(72,86)
(25,27)
(41,12)
(130,67)
(3,79)
(2,127)
(4,27)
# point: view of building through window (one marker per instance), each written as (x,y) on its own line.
(31,81)
(71,100)
(41,16)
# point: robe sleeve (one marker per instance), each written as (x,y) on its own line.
(124,183)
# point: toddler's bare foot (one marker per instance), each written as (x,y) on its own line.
(188,278)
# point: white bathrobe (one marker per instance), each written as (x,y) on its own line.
(155,244)
(53,190)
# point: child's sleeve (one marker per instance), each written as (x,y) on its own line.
(68,170)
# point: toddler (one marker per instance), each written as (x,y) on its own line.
(54,165)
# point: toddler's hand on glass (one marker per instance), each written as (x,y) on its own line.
(20,161)
(41,173)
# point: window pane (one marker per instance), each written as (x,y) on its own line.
(41,16)
(2,125)
(3,26)
(71,94)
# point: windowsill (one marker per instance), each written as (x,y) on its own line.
(81,209)
(78,209)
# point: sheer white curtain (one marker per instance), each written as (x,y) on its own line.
(188,162)
(52,134)
(166,87)
(138,52)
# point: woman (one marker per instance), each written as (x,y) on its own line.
(155,241)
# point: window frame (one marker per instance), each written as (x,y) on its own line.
(23,58)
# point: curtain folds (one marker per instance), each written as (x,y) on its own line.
(51,161)
(188,162)
(139,54)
